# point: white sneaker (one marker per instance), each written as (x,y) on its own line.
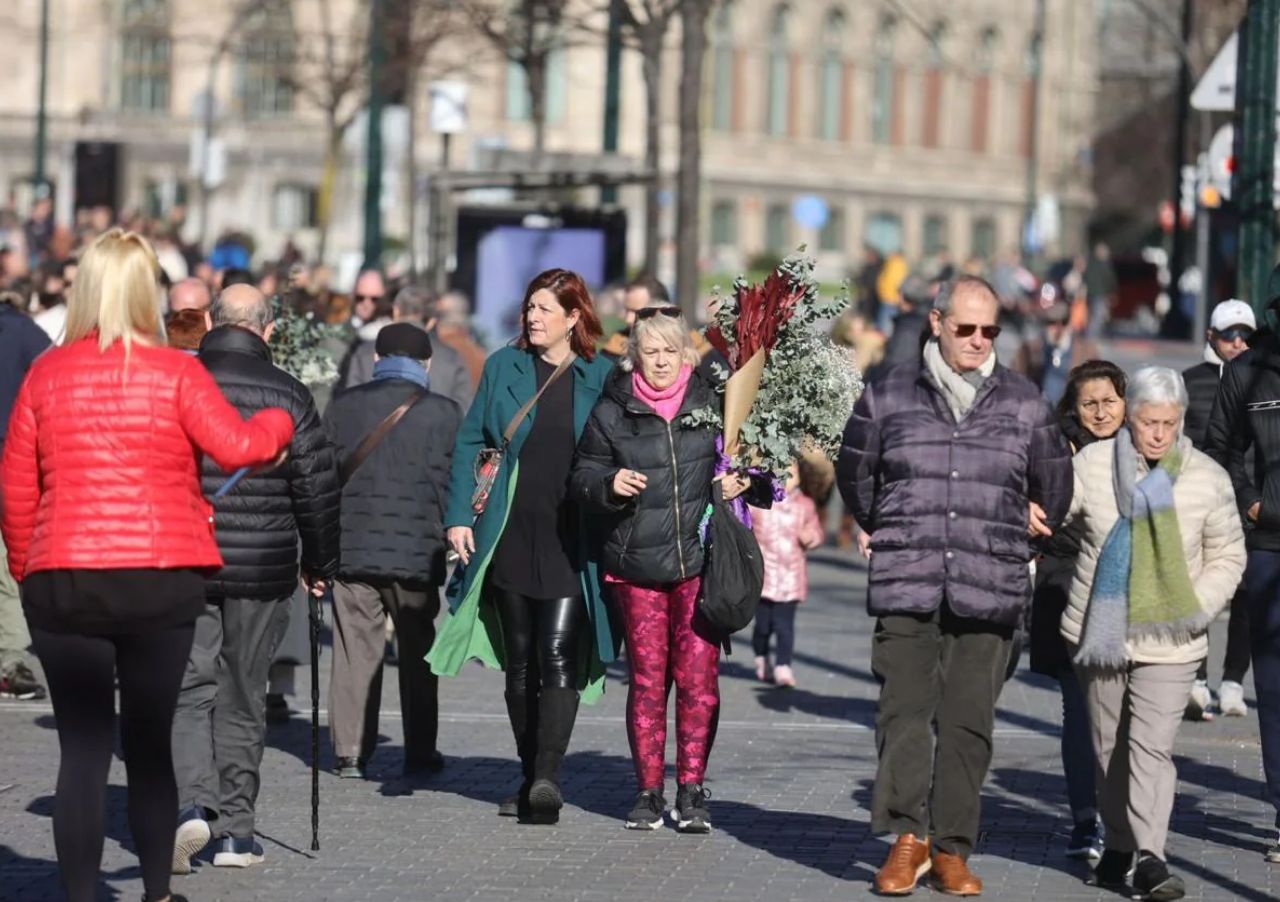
(1231,699)
(193,835)
(238,853)
(1199,702)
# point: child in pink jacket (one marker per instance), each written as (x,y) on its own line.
(785,533)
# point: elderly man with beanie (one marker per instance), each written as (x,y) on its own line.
(393,547)
(1231,325)
(950,465)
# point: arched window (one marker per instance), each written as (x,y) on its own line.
(931,126)
(265,65)
(779,71)
(985,59)
(722,68)
(831,76)
(886,78)
(144,56)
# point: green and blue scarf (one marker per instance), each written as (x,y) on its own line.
(1141,588)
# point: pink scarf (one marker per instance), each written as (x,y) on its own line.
(664,401)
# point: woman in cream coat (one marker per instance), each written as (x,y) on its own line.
(1146,587)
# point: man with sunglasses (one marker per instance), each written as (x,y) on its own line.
(951,465)
(1231,325)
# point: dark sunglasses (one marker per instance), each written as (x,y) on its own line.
(966,330)
(369,297)
(651,312)
(1244,333)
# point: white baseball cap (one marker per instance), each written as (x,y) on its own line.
(1232,313)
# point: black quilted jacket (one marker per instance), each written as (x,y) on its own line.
(260,522)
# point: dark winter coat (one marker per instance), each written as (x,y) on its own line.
(655,537)
(946,502)
(21,342)
(259,523)
(905,342)
(393,508)
(1202,388)
(1246,415)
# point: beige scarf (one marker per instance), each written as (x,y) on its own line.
(959,390)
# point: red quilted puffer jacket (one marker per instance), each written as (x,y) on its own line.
(101,466)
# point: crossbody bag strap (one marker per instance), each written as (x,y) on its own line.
(524,411)
(374,438)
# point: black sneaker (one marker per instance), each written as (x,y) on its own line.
(1152,880)
(646,813)
(1085,842)
(21,683)
(692,814)
(1112,871)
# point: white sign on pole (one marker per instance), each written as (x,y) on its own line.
(1216,90)
(1221,162)
(448,107)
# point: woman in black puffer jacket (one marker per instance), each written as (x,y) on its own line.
(645,472)
(1092,409)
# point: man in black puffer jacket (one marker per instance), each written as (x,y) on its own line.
(220,725)
(393,550)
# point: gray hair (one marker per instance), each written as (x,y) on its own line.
(946,294)
(1156,385)
(415,304)
(674,330)
(250,311)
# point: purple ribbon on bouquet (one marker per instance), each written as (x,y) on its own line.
(739,505)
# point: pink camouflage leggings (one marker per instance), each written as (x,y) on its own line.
(665,644)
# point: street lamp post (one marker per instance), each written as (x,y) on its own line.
(612,90)
(41,111)
(1035,63)
(373,146)
(1254,186)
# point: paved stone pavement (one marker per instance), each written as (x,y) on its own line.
(790,774)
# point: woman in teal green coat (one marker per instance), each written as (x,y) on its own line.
(527,596)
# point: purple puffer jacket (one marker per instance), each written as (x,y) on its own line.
(946,502)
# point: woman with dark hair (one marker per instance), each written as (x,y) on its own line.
(1092,408)
(527,597)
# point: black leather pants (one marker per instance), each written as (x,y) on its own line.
(541,639)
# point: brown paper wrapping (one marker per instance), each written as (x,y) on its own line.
(739,394)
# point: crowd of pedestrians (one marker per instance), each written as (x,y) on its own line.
(172,498)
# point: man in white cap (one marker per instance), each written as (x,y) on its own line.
(1231,325)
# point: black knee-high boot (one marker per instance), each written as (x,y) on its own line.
(557,712)
(522,711)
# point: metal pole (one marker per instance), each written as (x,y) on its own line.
(41,109)
(439,216)
(1255,149)
(612,91)
(1036,62)
(373,146)
(1175,324)
(1203,224)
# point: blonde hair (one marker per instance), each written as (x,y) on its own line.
(116,292)
(671,329)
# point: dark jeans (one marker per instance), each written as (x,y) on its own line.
(1262,582)
(776,618)
(1078,762)
(939,674)
(1235,661)
(220,727)
(82,671)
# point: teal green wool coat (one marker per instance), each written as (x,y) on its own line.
(473,630)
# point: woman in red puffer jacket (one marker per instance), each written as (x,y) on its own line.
(110,536)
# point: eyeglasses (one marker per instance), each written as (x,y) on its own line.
(369,297)
(966,330)
(1242,333)
(651,312)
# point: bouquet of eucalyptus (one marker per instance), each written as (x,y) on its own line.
(790,389)
(297,346)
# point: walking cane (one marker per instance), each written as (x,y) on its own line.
(313,609)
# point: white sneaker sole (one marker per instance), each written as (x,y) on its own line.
(191,838)
(237,859)
(645,825)
(692,827)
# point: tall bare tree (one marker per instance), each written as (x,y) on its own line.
(646,23)
(693,49)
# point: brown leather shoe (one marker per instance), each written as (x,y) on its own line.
(908,861)
(952,876)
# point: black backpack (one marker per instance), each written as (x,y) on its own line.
(733,576)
